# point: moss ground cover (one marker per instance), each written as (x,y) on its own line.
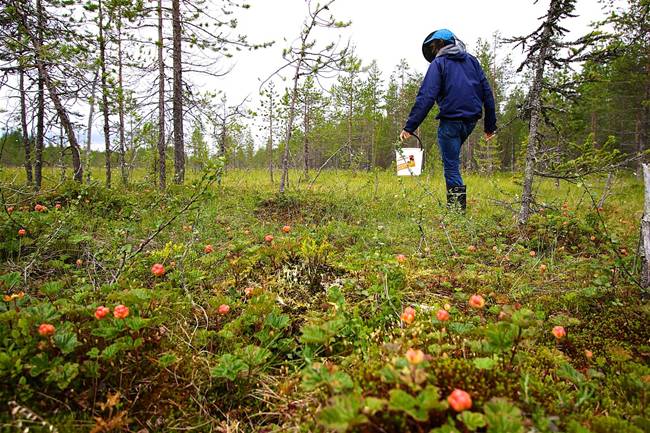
(124,312)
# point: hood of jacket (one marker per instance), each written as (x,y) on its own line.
(455,51)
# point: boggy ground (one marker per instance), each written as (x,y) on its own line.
(307,331)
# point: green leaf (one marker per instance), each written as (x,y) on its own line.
(484,363)
(340,381)
(389,374)
(52,288)
(106,330)
(277,321)
(428,399)
(255,355)
(401,400)
(447,428)
(313,378)
(39,364)
(418,408)
(167,359)
(343,413)
(566,371)
(90,368)
(111,351)
(501,336)
(10,280)
(523,318)
(62,375)
(472,420)
(136,323)
(460,328)
(44,312)
(374,405)
(503,417)
(79,238)
(229,366)
(313,334)
(66,341)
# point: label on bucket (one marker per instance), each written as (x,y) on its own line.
(409,161)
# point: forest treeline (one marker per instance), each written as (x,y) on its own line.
(131,69)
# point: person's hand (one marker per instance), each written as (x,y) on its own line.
(489,135)
(404,135)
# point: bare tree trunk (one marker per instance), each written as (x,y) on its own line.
(61,155)
(40,115)
(349,116)
(120,100)
(89,128)
(222,138)
(66,126)
(305,142)
(162,174)
(23,122)
(177,110)
(54,97)
(287,135)
(644,247)
(269,146)
(102,60)
(224,129)
(535,122)
(40,134)
(373,150)
(639,143)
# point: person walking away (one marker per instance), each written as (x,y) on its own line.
(457,83)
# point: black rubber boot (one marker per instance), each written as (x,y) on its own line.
(457,198)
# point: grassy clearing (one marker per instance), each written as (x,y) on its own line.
(315,338)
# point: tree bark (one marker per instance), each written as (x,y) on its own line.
(61,155)
(287,135)
(23,122)
(306,134)
(349,121)
(40,115)
(162,174)
(102,60)
(54,97)
(224,129)
(644,247)
(177,109)
(89,129)
(639,143)
(269,146)
(120,100)
(535,122)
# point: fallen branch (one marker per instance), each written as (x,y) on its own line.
(311,183)
(607,190)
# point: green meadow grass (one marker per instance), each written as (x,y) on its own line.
(317,343)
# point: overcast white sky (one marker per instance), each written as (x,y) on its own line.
(386,31)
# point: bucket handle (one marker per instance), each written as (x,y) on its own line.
(418,139)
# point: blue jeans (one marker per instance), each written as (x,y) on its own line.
(451,135)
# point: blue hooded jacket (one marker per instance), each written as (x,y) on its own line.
(456,81)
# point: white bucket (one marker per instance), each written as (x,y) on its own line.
(409,161)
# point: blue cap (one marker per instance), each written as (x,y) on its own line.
(444,34)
